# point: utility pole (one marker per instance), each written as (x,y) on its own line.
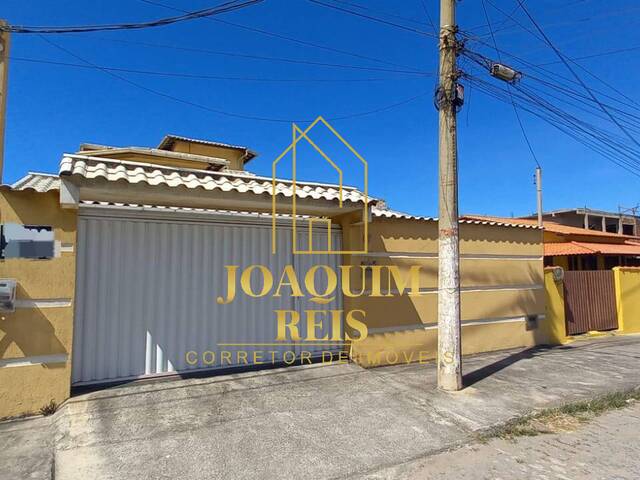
(539,191)
(449,342)
(4,77)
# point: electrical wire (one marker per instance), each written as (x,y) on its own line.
(596,55)
(544,39)
(596,139)
(224,112)
(380,12)
(428,15)
(513,103)
(264,57)
(549,74)
(204,13)
(207,76)
(630,119)
(287,38)
(498,28)
(513,28)
(606,136)
(374,19)
(576,76)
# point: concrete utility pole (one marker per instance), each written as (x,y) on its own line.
(449,342)
(4,77)
(539,191)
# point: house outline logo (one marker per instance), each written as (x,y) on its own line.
(297,135)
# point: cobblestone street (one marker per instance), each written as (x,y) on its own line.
(606,448)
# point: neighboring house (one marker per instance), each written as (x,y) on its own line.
(575,248)
(621,223)
(121,256)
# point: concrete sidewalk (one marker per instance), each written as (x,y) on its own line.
(317,421)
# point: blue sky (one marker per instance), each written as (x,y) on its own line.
(52,109)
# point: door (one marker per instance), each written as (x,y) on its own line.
(146,294)
(590,302)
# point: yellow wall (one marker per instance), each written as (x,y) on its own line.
(419,345)
(31,333)
(502,284)
(627,282)
(554,324)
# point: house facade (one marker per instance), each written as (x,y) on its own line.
(623,223)
(576,248)
(133,263)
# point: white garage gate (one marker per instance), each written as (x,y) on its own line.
(146,289)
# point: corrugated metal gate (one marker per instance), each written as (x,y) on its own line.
(590,301)
(147,285)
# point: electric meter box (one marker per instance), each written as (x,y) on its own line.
(8,295)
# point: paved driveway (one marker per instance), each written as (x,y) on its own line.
(318,421)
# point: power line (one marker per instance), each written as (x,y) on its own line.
(598,140)
(576,76)
(372,10)
(263,57)
(287,38)
(513,103)
(224,112)
(428,15)
(631,120)
(204,76)
(374,19)
(605,137)
(595,55)
(204,13)
(499,27)
(563,57)
(546,72)
(580,131)
(512,28)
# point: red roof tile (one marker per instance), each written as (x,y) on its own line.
(590,248)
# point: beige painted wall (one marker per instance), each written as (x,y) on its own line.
(502,284)
(502,277)
(234,156)
(35,334)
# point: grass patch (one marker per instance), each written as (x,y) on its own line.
(565,418)
(49,409)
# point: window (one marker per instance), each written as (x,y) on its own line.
(26,241)
(612,227)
